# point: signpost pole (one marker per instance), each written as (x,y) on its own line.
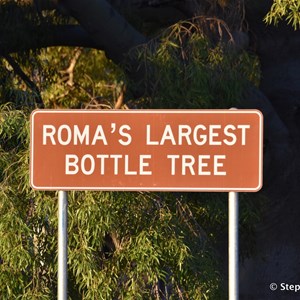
(62,245)
(233,248)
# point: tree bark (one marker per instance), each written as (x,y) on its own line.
(105,26)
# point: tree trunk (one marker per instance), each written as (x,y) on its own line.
(105,26)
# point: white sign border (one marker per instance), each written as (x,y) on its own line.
(150,111)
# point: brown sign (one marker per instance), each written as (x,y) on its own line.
(162,150)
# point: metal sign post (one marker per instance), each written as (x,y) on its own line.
(62,278)
(233,246)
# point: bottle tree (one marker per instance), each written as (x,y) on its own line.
(100,54)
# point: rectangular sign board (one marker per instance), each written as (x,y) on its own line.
(146,150)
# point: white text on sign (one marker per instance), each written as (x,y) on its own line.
(182,134)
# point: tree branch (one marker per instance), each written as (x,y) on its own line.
(70,70)
(30,84)
(105,26)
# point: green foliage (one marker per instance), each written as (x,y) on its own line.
(24,240)
(289,10)
(148,242)
(193,69)
(95,82)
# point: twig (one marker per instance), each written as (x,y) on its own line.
(120,99)
(70,70)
